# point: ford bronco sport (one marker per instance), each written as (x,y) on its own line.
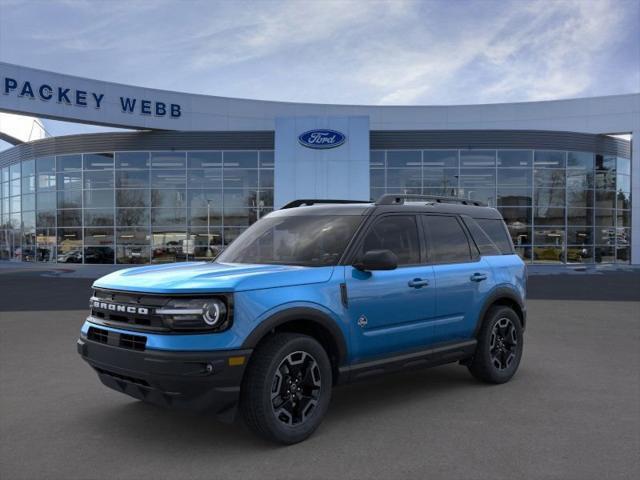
(313,295)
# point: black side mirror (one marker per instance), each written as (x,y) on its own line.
(377,260)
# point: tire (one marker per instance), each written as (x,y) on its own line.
(500,345)
(297,370)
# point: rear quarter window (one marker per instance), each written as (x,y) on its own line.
(497,232)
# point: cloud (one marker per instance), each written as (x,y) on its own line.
(338,51)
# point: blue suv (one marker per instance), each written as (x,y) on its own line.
(316,294)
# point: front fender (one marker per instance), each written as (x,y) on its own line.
(315,313)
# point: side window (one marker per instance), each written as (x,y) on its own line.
(398,233)
(446,239)
(497,233)
(483,242)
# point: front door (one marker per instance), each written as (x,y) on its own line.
(391,311)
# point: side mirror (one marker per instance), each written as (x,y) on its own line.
(377,260)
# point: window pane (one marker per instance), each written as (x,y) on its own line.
(98,236)
(205,244)
(484,195)
(515,158)
(548,216)
(43,165)
(404,158)
(69,180)
(70,218)
(398,234)
(446,240)
(45,200)
(477,177)
(266,159)
(98,217)
(70,199)
(98,179)
(98,199)
(206,198)
(496,231)
(477,158)
(168,179)
(46,181)
(205,178)
(238,178)
(266,179)
(28,168)
(549,178)
(46,219)
(514,177)
(204,159)
(404,178)
(376,159)
(514,196)
(133,254)
(580,236)
(133,217)
(132,178)
(168,160)
(168,198)
(132,198)
(98,255)
(440,158)
(549,159)
(29,202)
(583,160)
(168,217)
(139,160)
(69,162)
(132,236)
(240,159)
(98,161)
(623,166)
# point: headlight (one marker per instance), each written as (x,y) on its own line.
(195,314)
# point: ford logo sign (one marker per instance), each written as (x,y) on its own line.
(322,138)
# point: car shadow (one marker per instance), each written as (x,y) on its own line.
(136,421)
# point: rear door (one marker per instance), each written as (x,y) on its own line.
(391,311)
(462,277)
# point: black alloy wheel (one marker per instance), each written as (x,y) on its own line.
(296,388)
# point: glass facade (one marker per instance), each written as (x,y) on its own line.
(165,206)
(560,207)
(131,207)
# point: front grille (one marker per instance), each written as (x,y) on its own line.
(122,340)
(133,303)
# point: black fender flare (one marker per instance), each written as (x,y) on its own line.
(501,293)
(295,314)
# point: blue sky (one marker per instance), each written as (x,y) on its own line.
(364,52)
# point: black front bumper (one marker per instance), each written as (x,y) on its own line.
(193,380)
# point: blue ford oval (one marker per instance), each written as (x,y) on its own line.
(322,138)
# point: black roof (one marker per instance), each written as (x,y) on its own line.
(414,206)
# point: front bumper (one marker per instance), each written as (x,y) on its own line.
(195,380)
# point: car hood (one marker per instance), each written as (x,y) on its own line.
(201,277)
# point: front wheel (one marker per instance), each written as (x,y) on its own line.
(287,388)
(499,349)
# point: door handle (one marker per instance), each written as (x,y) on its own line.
(478,277)
(418,283)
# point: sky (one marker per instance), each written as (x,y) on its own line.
(392,52)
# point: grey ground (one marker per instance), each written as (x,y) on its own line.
(571,412)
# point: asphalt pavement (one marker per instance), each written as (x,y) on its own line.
(571,412)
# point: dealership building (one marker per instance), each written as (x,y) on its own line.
(193,171)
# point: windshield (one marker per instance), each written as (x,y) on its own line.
(313,241)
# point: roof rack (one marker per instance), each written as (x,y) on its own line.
(400,199)
(307,202)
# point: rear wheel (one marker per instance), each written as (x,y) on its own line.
(499,349)
(287,388)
